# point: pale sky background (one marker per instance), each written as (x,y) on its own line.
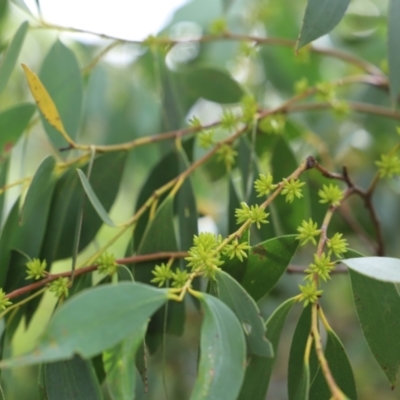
(126,19)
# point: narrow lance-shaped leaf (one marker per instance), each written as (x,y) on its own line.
(61,76)
(341,370)
(94,200)
(247,312)
(299,369)
(119,365)
(105,180)
(45,102)
(321,17)
(160,236)
(13,122)
(259,370)
(394,48)
(165,170)
(3,180)
(10,57)
(266,263)
(378,309)
(384,269)
(71,379)
(222,357)
(210,84)
(88,323)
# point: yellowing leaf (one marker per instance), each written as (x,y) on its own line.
(45,103)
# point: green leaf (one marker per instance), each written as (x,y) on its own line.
(187,208)
(165,170)
(222,353)
(384,269)
(94,320)
(299,371)
(233,204)
(211,84)
(105,180)
(61,75)
(266,263)
(246,311)
(160,236)
(71,379)
(378,307)
(259,370)
(7,238)
(141,364)
(13,122)
(288,216)
(394,48)
(119,364)
(42,182)
(10,57)
(3,181)
(341,370)
(26,235)
(321,17)
(94,199)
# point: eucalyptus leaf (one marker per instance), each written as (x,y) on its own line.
(384,269)
(321,17)
(94,199)
(266,263)
(222,353)
(394,48)
(105,180)
(247,312)
(61,75)
(119,364)
(158,237)
(299,370)
(211,84)
(378,307)
(71,379)
(10,57)
(166,169)
(13,122)
(92,321)
(341,370)
(259,369)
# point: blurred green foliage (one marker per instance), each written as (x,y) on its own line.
(109,98)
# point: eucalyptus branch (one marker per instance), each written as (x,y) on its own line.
(102,53)
(85,270)
(366,196)
(355,106)
(334,53)
(173,184)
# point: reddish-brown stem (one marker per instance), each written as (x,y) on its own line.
(366,196)
(91,268)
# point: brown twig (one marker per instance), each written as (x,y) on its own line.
(366,196)
(338,54)
(355,106)
(91,268)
